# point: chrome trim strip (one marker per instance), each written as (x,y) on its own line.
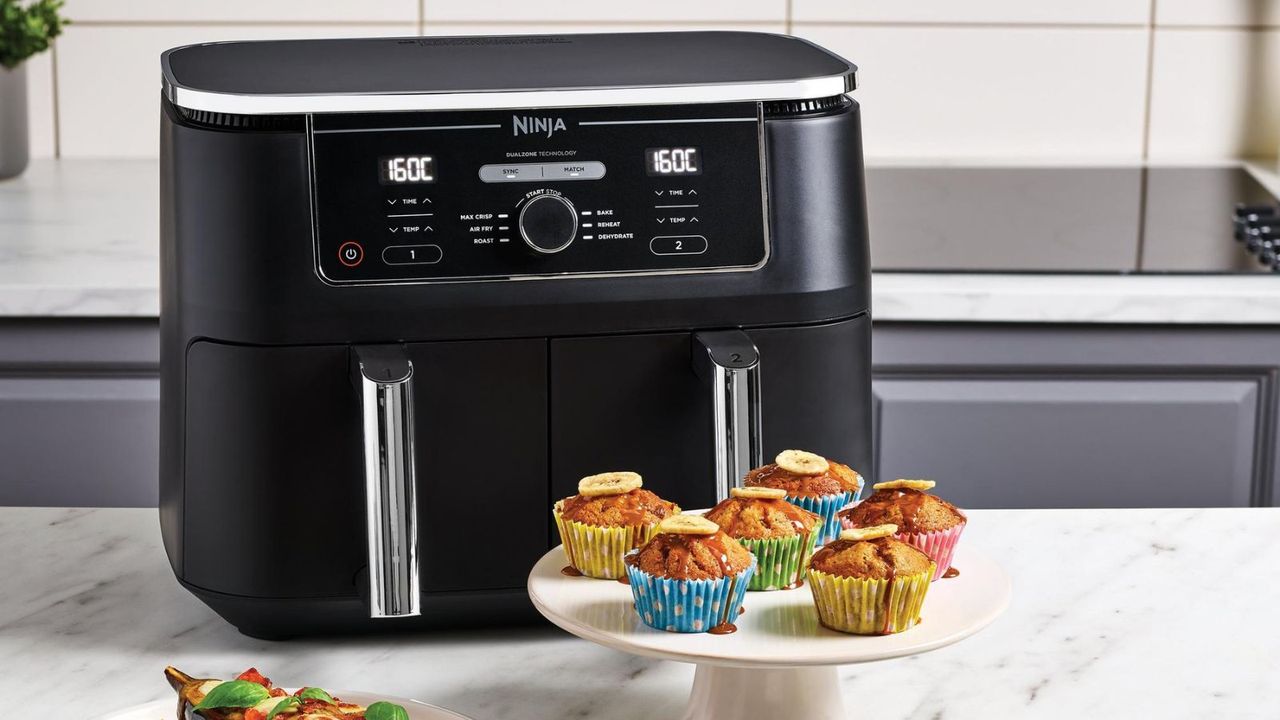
(730,362)
(666,122)
(799,89)
(384,375)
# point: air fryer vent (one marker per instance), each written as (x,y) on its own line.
(797,108)
(227,121)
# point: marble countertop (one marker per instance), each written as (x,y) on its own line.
(1116,614)
(79,238)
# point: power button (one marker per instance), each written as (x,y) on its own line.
(350,253)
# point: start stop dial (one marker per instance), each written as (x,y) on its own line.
(548,224)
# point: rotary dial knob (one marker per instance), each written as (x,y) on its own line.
(548,224)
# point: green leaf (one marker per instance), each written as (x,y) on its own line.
(385,711)
(315,694)
(283,705)
(26,31)
(234,694)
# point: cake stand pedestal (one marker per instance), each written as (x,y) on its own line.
(781,662)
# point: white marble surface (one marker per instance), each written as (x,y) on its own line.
(80,238)
(1115,614)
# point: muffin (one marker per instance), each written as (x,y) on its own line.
(691,577)
(781,535)
(611,514)
(812,482)
(926,521)
(869,583)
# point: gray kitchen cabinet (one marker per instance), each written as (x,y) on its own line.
(1072,441)
(1044,415)
(79,412)
(1009,415)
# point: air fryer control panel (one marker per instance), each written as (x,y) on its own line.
(475,195)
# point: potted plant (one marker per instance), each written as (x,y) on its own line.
(24,31)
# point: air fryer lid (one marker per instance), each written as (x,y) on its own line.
(373,74)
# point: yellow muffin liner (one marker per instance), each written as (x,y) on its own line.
(597,551)
(867,606)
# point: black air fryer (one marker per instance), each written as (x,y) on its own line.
(413,289)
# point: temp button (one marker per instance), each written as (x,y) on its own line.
(412,255)
(678,245)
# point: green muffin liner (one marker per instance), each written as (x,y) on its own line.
(781,562)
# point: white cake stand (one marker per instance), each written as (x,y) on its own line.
(781,663)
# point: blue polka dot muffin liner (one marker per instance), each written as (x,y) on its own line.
(828,506)
(688,606)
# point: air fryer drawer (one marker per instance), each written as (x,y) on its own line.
(634,402)
(273,438)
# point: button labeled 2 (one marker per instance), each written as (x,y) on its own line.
(678,245)
(412,255)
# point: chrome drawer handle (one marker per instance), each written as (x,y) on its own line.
(384,375)
(730,363)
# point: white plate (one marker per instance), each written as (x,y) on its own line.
(779,628)
(167,709)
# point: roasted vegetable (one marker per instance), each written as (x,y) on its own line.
(252,696)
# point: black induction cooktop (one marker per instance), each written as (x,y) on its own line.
(1061,220)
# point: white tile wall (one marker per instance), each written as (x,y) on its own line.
(464,28)
(1235,13)
(109,78)
(508,11)
(989,79)
(289,11)
(995,92)
(40,105)
(1215,93)
(1132,12)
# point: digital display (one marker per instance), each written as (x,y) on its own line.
(407,169)
(673,161)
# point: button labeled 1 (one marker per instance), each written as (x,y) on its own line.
(412,255)
(678,245)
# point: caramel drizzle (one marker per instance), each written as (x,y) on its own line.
(569,570)
(839,545)
(908,501)
(721,553)
(645,505)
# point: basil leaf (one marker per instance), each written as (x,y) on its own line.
(283,705)
(385,711)
(315,694)
(234,694)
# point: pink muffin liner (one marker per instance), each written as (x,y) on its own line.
(940,546)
